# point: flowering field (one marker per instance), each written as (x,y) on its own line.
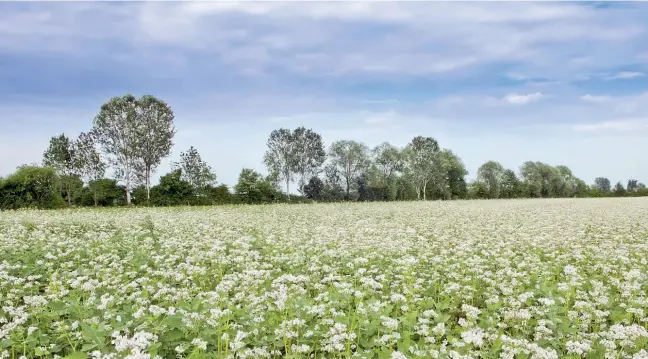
(477,279)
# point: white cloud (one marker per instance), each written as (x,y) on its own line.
(318,39)
(522,99)
(595,98)
(623,125)
(624,75)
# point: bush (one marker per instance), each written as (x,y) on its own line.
(31,187)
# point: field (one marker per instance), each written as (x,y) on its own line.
(478,279)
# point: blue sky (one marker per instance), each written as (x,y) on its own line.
(558,82)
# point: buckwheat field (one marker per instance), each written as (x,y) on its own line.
(476,279)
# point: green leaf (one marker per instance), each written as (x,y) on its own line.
(39,352)
(175,334)
(91,334)
(76,355)
(173,322)
(88,347)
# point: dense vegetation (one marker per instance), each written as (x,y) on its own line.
(560,278)
(132,135)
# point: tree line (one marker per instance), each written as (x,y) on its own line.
(133,135)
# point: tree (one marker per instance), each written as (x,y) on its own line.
(619,190)
(455,171)
(309,154)
(154,131)
(116,130)
(477,190)
(602,184)
(30,186)
(349,158)
(564,183)
(423,162)
(314,189)
(280,157)
(173,190)
(253,188)
(540,179)
(510,186)
(195,171)
(632,185)
(333,190)
(92,168)
(490,174)
(532,178)
(389,162)
(105,192)
(62,157)
(580,188)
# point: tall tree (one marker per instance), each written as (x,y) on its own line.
(116,130)
(349,158)
(423,161)
(538,178)
(280,157)
(564,183)
(389,161)
(602,184)
(309,155)
(455,171)
(154,131)
(490,174)
(62,157)
(194,170)
(92,168)
(510,187)
(632,185)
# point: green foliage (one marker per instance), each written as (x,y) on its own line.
(314,189)
(510,186)
(64,158)
(491,175)
(252,188)
(172,190)
(602,184)
(105,192)
(349,159)
(195,171)
(31,187)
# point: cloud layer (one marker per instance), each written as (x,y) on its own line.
(508,81)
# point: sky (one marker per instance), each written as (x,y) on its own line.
(565,83)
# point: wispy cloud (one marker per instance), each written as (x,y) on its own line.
(465,72)
(522,99)
(624,75)
(623,125)
(595,98)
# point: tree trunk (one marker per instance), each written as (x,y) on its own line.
(288,188)
(128,196)
(148,185)
(424,187)
(68,196)
(128,178)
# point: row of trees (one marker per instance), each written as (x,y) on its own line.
(420,170)
(131,136)
(349,170)
(539,179)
